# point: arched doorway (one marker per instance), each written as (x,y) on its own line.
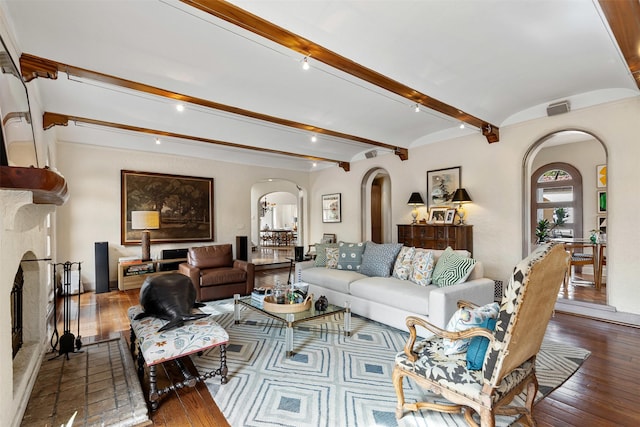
(376,206)
(587,154)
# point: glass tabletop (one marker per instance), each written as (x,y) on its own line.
(297,317)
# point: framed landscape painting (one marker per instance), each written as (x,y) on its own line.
(441,185)
(184,205)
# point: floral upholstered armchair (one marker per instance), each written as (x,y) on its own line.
(508,366)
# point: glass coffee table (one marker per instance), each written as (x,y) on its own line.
(290,320)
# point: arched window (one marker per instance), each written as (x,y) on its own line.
(556,195)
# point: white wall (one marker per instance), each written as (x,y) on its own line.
(92,213)
(492,173)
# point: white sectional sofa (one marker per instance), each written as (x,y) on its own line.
(390,300)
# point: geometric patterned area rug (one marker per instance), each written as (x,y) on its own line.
(333,380)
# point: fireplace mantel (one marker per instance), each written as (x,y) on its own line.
(48,187)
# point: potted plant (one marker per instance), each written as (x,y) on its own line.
(542,230)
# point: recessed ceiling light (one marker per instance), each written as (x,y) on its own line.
(314,164)
(305,63)
(461,125)
(180,107)
(416,108)
(314,138)
(158,141)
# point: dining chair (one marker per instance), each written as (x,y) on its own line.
(581,254)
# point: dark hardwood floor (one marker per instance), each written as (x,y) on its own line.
(604,391)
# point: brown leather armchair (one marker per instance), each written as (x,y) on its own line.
(215,274)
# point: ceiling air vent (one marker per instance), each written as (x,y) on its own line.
(558,108)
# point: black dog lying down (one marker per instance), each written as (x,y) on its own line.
(169,297)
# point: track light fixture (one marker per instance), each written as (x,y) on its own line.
(314,138)
(305,63)
(180,107)
(157,141)
(416,108)
(461,126)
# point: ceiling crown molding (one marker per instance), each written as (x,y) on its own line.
(50,120)
(250,22)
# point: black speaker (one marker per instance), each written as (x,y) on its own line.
(299,251)
(242,248)
(102,267)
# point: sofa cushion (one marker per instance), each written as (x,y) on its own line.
(452,268)
(222,276)
(466,318)
(212,256)
(393,292)
(337,280)
(350,255)
(422,267)
(402,267)
(321,253)
(378,258)
(478,346)
(333,254)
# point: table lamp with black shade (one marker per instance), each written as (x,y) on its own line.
(461,196)
(415,200)
(145,221)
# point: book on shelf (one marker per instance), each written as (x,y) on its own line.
(126,260)
(136,269)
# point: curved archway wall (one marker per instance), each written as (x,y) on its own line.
(584,151)
(263,188)
(381,176)
(492,174)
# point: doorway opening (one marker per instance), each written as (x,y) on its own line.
(376,206)
(560,170)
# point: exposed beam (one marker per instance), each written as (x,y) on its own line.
(55,119)
(250,22)
(624,19)
(33,67)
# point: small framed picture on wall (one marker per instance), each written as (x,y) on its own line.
(602,201)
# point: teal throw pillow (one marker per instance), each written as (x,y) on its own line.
(452,268)
(378,258)
(350,255)
(466,318)
(321,253)
(478,346)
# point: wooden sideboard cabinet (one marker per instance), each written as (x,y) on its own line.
(436,236)
(131,275)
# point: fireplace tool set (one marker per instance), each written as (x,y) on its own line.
(67,343)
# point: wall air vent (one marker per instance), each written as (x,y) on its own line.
(558,108)
(371,154)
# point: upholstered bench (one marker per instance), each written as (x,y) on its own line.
(156,347)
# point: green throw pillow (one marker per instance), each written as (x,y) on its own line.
(452,269)
(350,256)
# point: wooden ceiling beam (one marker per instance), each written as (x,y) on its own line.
(55,119)
(250,22)
(623,17)
(33,67)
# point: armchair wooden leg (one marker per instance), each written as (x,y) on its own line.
(397,378)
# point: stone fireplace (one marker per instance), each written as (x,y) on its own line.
(24,240)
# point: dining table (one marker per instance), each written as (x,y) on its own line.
(596,246)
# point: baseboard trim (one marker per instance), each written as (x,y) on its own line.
(602,312)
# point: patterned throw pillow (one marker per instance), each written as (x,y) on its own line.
(422,267)
(321,254)
(402,267)
(478,347)
(332,257)
(452,268)
(378,258)
(467,318)
(350,256)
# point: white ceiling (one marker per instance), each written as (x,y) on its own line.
(501,61)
